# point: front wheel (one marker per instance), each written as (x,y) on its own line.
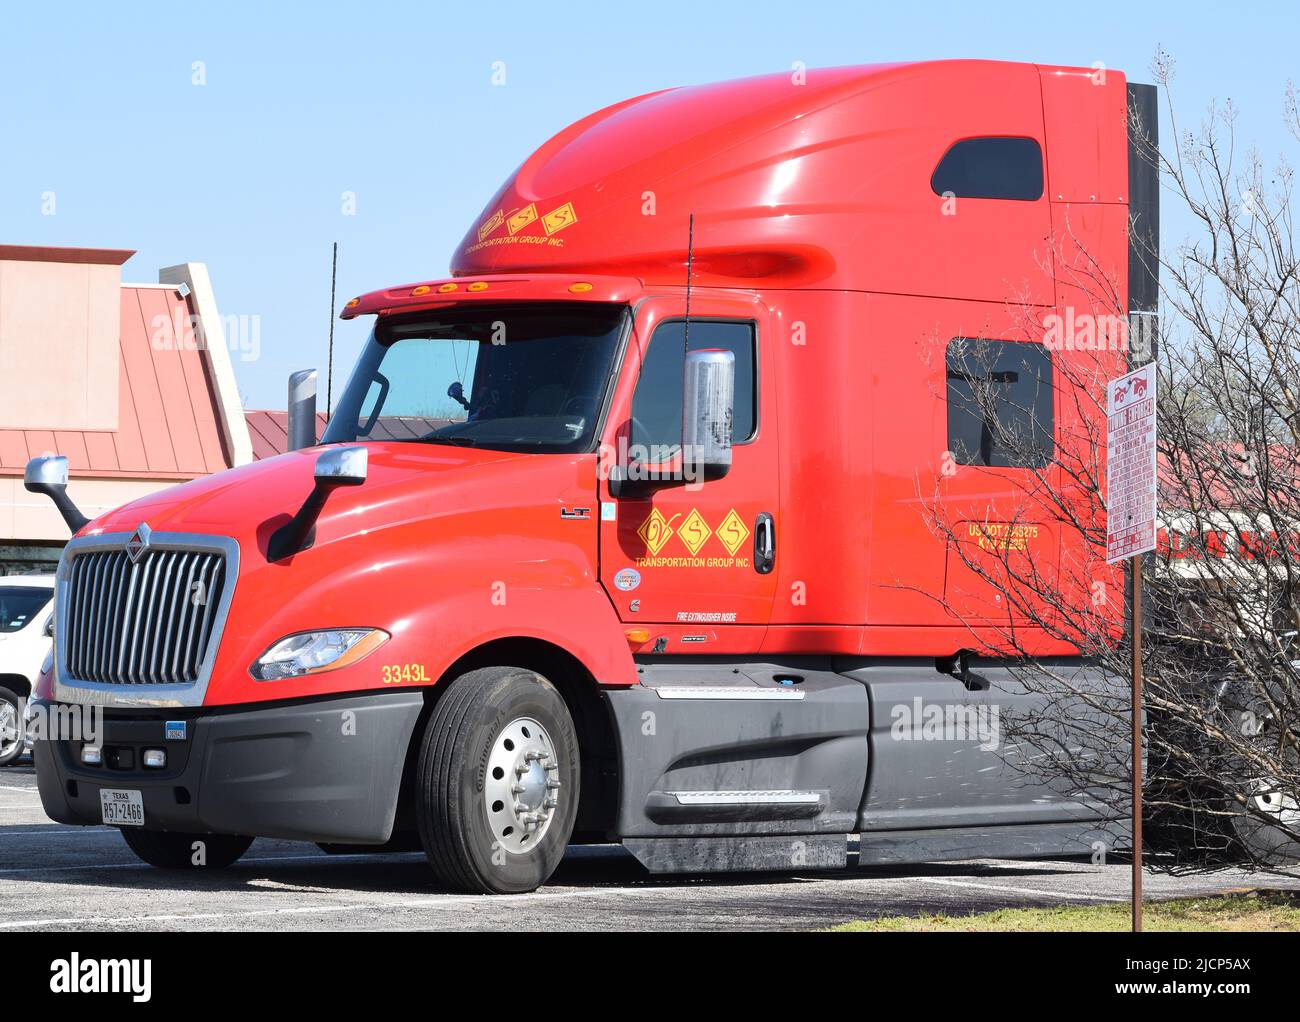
(1267,802)
(173,850)
(498,782)
(11,727)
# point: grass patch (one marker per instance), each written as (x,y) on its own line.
(1263,910)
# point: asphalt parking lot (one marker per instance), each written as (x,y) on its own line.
(74,878)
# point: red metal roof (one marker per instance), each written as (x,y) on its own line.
(167,408)
(269,432)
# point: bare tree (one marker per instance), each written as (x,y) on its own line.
(1222,664)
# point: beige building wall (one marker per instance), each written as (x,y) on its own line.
(62,317)
(59,359)
(32,516)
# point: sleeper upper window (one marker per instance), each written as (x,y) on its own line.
(991,168)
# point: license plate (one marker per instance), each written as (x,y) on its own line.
(121,807)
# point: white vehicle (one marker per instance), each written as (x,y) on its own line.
(26,627)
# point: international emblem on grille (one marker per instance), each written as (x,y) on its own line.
(138,545)
(143,608)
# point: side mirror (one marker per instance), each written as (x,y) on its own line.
(708,409)
(302,409)
(338,466)
(49,475)
(40,473)
(342,466)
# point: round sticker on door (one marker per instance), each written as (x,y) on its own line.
(627,579)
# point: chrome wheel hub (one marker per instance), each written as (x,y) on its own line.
(1270,797)
(10,730)
(522,792)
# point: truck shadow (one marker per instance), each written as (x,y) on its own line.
(295,869)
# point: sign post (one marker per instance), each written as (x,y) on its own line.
(1130,533)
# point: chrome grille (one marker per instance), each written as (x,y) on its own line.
(143,623)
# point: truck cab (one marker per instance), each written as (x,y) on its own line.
(619,532)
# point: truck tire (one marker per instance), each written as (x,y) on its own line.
(11,727)
(1267,816)
(497,782)
(174,850)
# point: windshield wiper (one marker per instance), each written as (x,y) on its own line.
(454,441)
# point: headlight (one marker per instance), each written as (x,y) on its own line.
(314,652)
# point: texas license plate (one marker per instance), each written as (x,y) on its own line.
(121,807)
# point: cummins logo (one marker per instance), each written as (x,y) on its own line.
(132,976)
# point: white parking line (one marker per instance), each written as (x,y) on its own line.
(1005,889)
(136,864)
(55,831)
(440,902)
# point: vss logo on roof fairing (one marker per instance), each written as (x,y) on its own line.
(516,221)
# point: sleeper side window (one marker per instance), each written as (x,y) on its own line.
(999,403)
(991,168)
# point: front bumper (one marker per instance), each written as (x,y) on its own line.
(326,770)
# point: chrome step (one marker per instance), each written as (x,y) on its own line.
(727,692)
(746,798)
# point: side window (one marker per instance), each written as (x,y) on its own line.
(999,403)
(991,168)
(657,403)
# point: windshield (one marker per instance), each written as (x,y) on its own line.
(526,377)
(19,604)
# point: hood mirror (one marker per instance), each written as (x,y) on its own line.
(341,466)
(49,475)
(337,466)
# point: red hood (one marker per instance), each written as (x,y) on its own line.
(400,552)
(248,502)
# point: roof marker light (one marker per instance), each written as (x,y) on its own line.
(446,288)
(478,285)
(353,304)
(579,287)
(423,289)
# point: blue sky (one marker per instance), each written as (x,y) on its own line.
(394,102)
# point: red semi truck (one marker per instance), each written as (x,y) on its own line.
(619,532)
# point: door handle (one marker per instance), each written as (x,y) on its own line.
(764,543)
